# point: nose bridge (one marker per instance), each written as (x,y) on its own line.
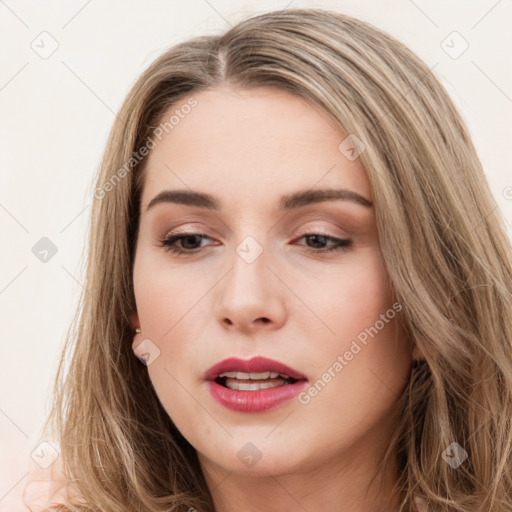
(249,268)
(249,291)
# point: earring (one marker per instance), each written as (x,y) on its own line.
(137,331)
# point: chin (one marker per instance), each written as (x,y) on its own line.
(258,458)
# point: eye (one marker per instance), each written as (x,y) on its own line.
(340,244)
(189,243)
(186,239)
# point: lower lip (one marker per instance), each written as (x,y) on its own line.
(255,401)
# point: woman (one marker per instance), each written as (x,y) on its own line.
(298,287)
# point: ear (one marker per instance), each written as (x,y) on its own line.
(137,340)
(134,317)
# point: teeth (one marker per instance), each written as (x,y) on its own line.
(255,376)
(235,375)
(242,386)
(262,375)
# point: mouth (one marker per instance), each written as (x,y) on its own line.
(257,370)
(242,381)
(253,385)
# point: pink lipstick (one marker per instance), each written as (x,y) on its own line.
(253,385)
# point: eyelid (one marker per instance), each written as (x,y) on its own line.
(185,230)
(337,231)
(314,213)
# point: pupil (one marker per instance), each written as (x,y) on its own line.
(315,239)
(188,239)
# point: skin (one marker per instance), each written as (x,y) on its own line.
(248,148)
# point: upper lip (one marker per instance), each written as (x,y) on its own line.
(255,364)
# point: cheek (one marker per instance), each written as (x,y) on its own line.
(353,298)
(164,295)
(359,319)
(172,316)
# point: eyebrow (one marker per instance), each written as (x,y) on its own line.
(287,202)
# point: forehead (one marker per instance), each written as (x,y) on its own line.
(250,142)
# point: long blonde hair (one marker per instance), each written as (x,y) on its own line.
(442,238)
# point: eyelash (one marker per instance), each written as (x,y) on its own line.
(167,244)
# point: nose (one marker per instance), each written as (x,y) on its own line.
(251,297)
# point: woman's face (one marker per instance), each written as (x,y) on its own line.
(266,268)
